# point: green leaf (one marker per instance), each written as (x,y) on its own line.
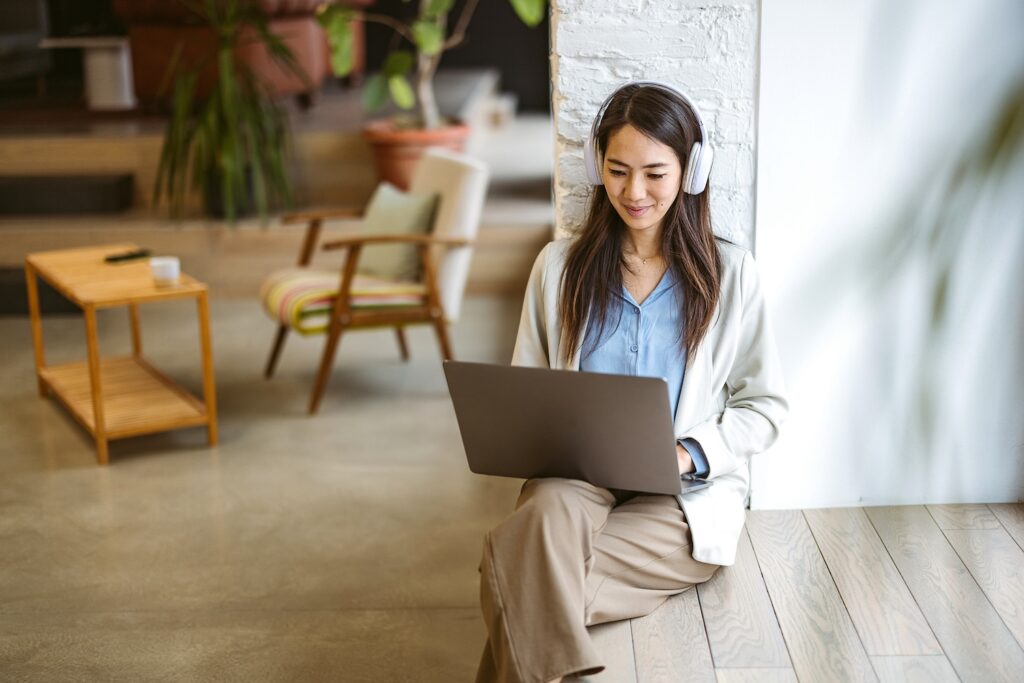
(279,50)
(401,92)
(438,7)
(429,37)
(332,17)
(375,92)
(237,131)
(338,27)
(398,63)
(342,54)
(178,143)
(530,12)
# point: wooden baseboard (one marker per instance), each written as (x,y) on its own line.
(233,261)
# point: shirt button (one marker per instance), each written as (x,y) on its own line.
(634,348)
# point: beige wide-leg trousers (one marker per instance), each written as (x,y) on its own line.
(573,555)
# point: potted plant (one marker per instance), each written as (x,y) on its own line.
(424,38)
(231,145)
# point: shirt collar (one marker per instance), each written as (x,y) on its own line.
(667,282)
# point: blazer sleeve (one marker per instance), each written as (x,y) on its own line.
(755,407)
(531,349)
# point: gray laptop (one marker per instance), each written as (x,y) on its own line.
(613,431)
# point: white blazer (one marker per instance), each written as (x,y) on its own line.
(731,401)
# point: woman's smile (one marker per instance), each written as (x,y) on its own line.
(641,177)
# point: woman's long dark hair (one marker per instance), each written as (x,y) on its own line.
(592,277)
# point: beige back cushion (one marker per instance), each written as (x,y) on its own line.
(461,183)
(389,212)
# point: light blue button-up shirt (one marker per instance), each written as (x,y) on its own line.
(644,340)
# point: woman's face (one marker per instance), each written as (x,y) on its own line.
(642,178)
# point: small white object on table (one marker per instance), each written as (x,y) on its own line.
(166,270)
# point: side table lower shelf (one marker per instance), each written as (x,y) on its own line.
(137,398)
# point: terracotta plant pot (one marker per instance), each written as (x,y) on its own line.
(397,150)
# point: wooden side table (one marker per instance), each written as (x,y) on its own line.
(114,398)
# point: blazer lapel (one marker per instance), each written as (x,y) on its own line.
(690,409)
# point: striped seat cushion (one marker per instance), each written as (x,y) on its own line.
(303,298)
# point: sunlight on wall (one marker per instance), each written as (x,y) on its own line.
(890,237)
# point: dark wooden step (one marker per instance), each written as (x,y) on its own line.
(64,194)
(14,295)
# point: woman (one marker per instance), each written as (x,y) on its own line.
(645,289)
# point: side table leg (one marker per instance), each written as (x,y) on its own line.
(32,286)
(209,386)
(133,314)
(100,427)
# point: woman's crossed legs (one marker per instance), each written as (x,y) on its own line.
(573,555)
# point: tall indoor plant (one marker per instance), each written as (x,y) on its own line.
(423,40)
(231,145)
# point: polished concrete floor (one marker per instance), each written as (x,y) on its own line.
(337,547)
(344,547)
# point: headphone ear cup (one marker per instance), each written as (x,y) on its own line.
(702,169)
(691,166)
(590,162)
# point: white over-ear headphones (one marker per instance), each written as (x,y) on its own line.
(698,165)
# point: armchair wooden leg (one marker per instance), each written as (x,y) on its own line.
(442,338)
(326,363)
(275,352)
(402,344)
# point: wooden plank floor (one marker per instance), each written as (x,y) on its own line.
(917,593)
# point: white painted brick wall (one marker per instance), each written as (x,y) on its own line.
(707,48)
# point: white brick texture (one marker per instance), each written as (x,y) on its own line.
(708,49)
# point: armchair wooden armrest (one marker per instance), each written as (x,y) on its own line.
(427,240)
(314,222)
(322,215)
(355,244)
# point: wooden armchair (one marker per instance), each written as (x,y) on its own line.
(352,300)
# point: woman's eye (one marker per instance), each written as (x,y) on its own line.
(617,173)
(655,176)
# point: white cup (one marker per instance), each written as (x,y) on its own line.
(166,270)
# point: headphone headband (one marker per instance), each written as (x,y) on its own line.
(698,165)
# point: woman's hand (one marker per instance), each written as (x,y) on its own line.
(685,461)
